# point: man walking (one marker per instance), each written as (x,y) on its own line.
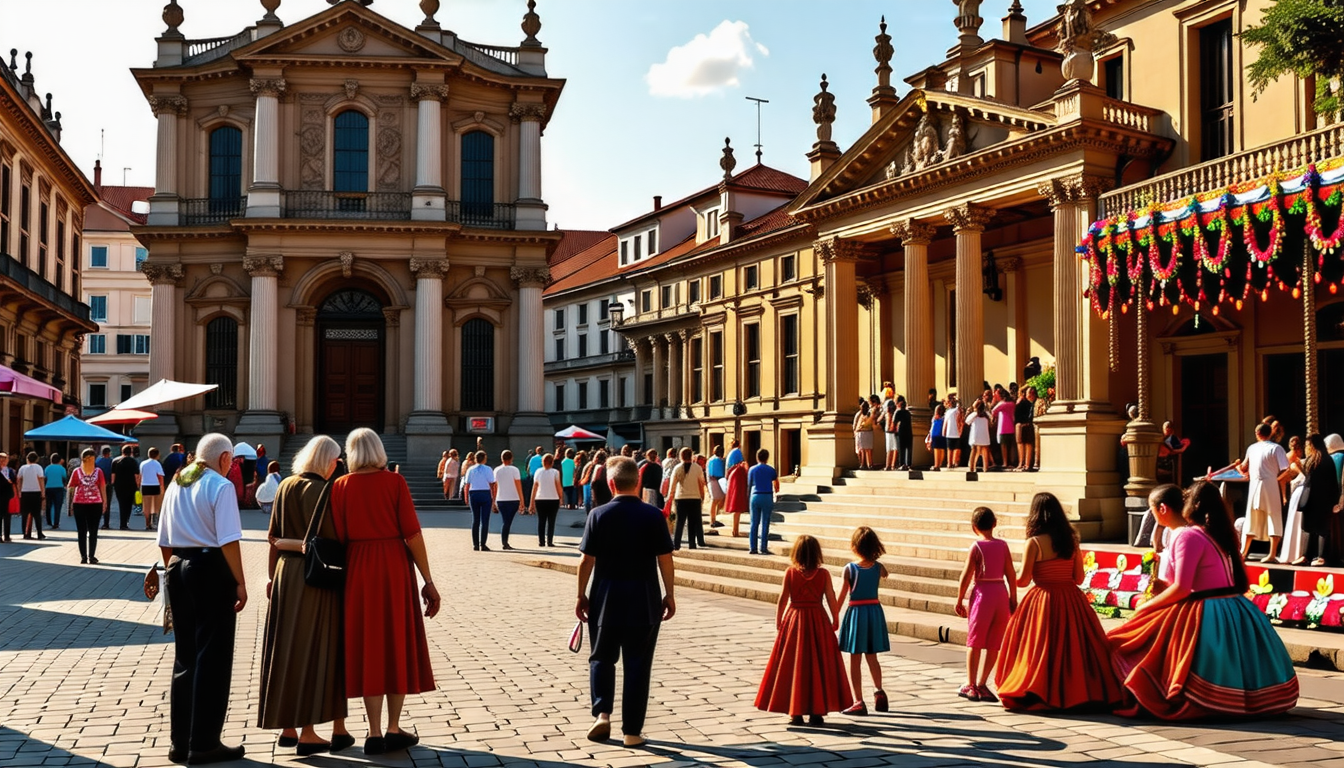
(626,548)
(125,482)
(481,488)
(198,535)
(1266,464)
(104,463)
(173,461)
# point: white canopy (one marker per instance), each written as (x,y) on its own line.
(165,392)
(244,451)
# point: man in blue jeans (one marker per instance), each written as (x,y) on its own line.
(763,482)
(481,489)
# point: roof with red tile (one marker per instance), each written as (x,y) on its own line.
(121,199)
(574,242)
(758,228)
(757,178)
(587,266)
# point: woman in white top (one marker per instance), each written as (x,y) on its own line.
(545,504)
(32,485)
(269,488)
(508,493)
(687,486)
(978,425)
(151,487)
(451,470)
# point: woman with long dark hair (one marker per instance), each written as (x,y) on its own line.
(1322,496)
(1199,648)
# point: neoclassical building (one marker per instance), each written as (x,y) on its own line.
(347,228)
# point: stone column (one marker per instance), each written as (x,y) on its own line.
(263,197)
(428,197)
(675,385)
(307,351)
(968,222)
(687,371)
(428,390)
(919,356)
(164,279)
(640,347)
(659,345)
(163,205)
(831,438)
(531,388)
(531,209)
(262,418)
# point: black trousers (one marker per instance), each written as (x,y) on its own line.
(86,528)
(688,513)
(125,503)
(547,511)
(30,509)
(107,513)
(634,646)
(201,591)
(6,520)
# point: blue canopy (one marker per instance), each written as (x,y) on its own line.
(76,431)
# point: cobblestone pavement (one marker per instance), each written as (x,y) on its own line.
(84,681)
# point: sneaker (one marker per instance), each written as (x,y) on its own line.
(969,692)
(986,694)
(880,700)
(857,708)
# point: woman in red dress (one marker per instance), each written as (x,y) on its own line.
(737,497)
(386,654)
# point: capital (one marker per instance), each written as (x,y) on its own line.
(913,232)
(968,218)
(263,266)
(674,337)
(172,104)
(161,274)
(837,249)
(392,316)
(262,86)
(525,112)
(306,315)
(685,334)
(435,92)
(1071,190)
(531,277)
(429,269)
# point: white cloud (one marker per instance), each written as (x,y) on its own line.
(707,64)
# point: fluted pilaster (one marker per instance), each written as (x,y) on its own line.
(659,345)
(531,378)
(428,390)
(263,199)
(263,364)
(675,358)
(968,223)
(919,356)
(840,258)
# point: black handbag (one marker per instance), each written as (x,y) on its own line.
(323,559)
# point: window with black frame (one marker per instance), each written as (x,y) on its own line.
(226,171)
(350,167)
(478,177)
(221,363)
(478,365)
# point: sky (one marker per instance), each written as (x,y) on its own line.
(653,86)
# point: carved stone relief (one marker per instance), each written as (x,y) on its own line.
(388,170)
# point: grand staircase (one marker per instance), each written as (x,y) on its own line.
(425,488)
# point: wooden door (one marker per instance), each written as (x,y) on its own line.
(350,386)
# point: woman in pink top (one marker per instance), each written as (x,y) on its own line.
(88,504)
(1004,429)
(1200,649)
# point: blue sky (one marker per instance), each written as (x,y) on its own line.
(636,119)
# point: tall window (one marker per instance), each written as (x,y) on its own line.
(559,349)
(653,242)
(667,297)
(125,393)
(221,363)
(478,365)
(1113,70)
(226,164)
(604,343)
(697,369)
(715,286)
(43,216)
(712,224)
(583,314)
(25,216)
(98,257)
(751,278)
(6,203)
(583,345)
(603,310)
(478,175)
(788,268)
(97,344)
(97,395)
(603,393)
(559,319)
(1215,89)
(351,157)
(646,301)
(716,366)
(752,344)
(59,276)
(788,349)
(141,254)
(693,292)
(559,397)
(583,395)
(98,309)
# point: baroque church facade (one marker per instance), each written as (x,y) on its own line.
(347,228)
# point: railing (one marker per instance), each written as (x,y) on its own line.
(1128,115)
(307,204)
(201,51)
(591,361)
(485,55)
(212,210)
(483,215)
(26,279)
(1286,155)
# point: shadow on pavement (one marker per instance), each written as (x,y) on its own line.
(30,628)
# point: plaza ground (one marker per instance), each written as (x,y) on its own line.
(84,672)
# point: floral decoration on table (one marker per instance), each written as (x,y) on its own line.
(1114,588)
(1310,602)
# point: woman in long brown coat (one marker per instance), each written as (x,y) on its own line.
(303,672)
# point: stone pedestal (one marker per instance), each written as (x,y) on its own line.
(1078,464)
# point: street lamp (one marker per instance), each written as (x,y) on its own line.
(617,312)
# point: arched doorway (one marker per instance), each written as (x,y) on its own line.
(350,326)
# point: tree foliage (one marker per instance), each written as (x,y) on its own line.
(1304,38)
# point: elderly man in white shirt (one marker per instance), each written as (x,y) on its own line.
(199,534)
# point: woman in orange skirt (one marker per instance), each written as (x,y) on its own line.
(1200,649)
(1054,654)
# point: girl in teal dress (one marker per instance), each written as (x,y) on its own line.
(863,631)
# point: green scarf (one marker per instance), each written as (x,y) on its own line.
(190,474)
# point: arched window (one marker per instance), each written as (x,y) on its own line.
(478,365)
(478,176)
(226,164)
(352,152)
(221,362)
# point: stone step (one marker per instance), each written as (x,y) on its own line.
(953,513)
(899,590)
(729,550)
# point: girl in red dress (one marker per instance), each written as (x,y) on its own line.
(1054,653)
(805,674)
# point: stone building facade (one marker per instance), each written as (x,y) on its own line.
(347,228)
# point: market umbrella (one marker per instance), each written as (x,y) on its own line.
(165,391)
(244,451)
(123,416)
(74,430)
(573,432)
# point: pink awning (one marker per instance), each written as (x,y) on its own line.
(14,383)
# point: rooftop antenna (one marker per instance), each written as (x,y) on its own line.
(102,142)
(123,175)
(758,144)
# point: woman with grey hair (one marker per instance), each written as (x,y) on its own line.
(302,672)
(386,653)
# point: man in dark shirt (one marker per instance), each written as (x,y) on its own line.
(1023,416)
(173,462)
(125,482)
(651,479)
(626,548)
(104,463)
(905,434)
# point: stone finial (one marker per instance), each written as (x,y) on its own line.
(429,8)
(968,22)
(728,162)
(1016,9)
(1015,24)
(172,16)
(46,110)
(531,25)
(14,59)
(28,67)
(1078,39)
(270,6)
(883,52)
(823,111)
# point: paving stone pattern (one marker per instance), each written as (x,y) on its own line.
(84,672)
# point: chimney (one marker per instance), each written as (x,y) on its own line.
(1015,24)
(729,217)
(98,177)
(657,202)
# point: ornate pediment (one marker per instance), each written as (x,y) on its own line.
(347,31)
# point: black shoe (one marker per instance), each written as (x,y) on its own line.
(484,548)
(287,742)
(716,524)
(93,561)
(507,547)
(475,548)
(396,742)
(341,741)
(125,527)
(177,755)
(314,748)
(105,528)
(752,552)
(220,754)
(83,561)
(550,543)
(796,720)
(41,537)
(374,745)
(816,720)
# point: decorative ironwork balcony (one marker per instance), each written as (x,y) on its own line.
(483,215)
(26,279)
(211,210)
(386,206)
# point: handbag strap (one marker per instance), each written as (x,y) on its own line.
(323,501)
